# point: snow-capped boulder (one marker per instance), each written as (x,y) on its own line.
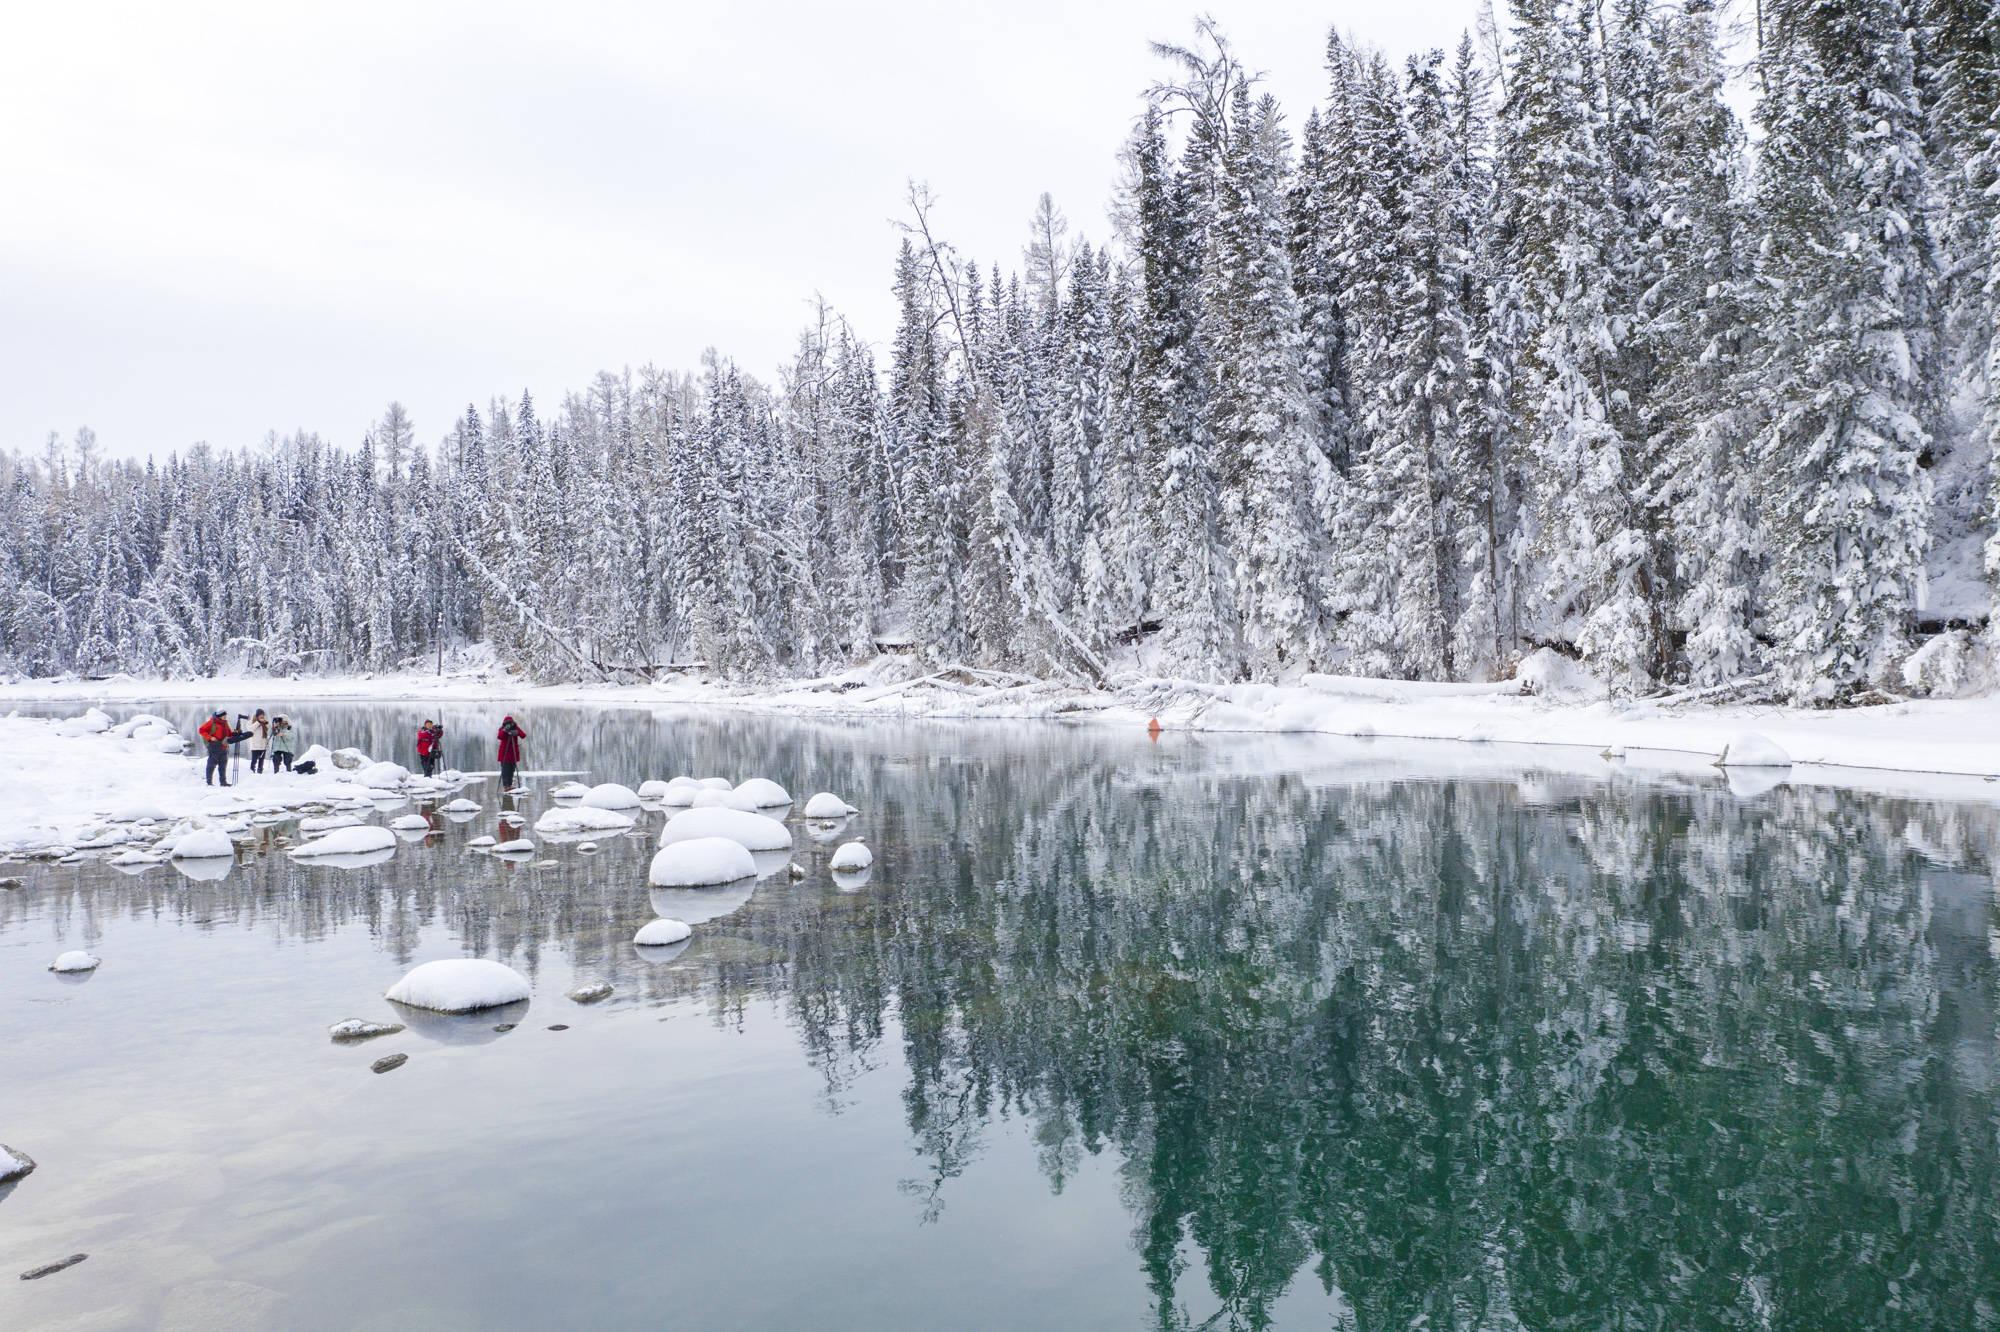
(709,798)
(587,848)
(701,862)
(203,844)
(358,1029)
(589,992)
(92,722)
(75,960)
(852,856)
(584,818)
(14,1164)
(520,846)
(610,795)
(680,791)
(754,831)
(462,806)
(569,791)
(659,933)
(827,805)
(1751,750)
(762,793)
(481,841)
(654,789)
(716,784)
(411,823)
(355,841)
(383,776)
(349,759)
(318,756)
(460,985)
(320,823)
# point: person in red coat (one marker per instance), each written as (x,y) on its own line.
(216,731)
(511,736)
(427,745)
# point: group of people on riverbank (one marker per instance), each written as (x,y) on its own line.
(273,739)
(270,739)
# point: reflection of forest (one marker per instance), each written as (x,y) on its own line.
(1545,1053)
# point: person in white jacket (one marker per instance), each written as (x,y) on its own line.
(260,740)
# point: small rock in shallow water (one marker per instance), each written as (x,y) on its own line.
(504,1026)
(13,882)
(387,1062)
(14,1164)
(354,1029)
(796,870)
(559,1026)
(36,1273)
(591,992)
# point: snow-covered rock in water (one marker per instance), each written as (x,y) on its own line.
(460,985)
(1751,750)
(708,798)
(203,844)
(584,818)
(652,790)
(754,831)
(1547,673)
(75,960)
(610,795)
(520,846)
(357,1029)
(350,759)
(701,862)
(462,806)
(383,776)
(587,848)
(827,805)
(852,856)
(659,933)
(355,841)
(320,823)
(411,823)
(126,859)
(680,791)
(763,793)
(317,755)
(90,723)
(481,841)
(590,992)
(14,1163)
(569,791)
(716,784)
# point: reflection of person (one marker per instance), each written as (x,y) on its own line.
(281,744)
(511,736)
(260,740)
(216,732)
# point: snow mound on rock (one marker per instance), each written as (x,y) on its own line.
(701,862)
(762,793)
(852,856)
(659,933)
(1751,750)
(360,1029)
(353,760)
(203,844)
(14,1163)
(708,798)
(75,960)
(410,823)
(680,791)
(716,784)
(653,790)
(354,841)
(481,841)
(520,846)
(827,805)
(460,985)
(90,723)
(317,755)
(584,818)
(754,831)
(383,776)
(569,791)
(610,795)
(320,823)
(462,806)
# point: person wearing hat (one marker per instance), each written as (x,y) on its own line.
(216,732)
(511,736)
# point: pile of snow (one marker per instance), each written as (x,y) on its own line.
(701,862)
(653,790)
(317,755)
(75,960)
(1751,750)
(852,856)
(585,818)
(202,844)
(92,722)
(481,841)
(354,841)
(319,823)
(754,831)
(708,798)
(462,806)
(411,823)
(460,985)
(659,933)
(569,791)
(1547,673)
(827,805)
(680,791)
(610,795)
(716,784)
(383,776)
(762,793)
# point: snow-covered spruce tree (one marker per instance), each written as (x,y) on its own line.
(1848,350)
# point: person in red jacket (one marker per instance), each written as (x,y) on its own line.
(427,745)
(511,736)
(217,733)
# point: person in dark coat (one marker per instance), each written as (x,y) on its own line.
(511,736)
(217,733)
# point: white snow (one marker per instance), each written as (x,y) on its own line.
(520,846)
(383,776)
(354,1029)
(479,841)
(1751,750)
(317,755)
(610,795)
(202,844)
(658,933)
(462,806)
(652,790)
(709,798)
(762,793)
(716,784)
(411,823)
(75,960)
(754,831)
(13,1165)
(827,805)
(680,791)
(320,823)
(852,856)
(354,841)
(583,818)
(460,985)
(701,862)
(569,791)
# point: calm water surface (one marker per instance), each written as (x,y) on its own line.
(1244,1034)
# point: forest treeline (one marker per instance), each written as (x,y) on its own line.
(1531,342)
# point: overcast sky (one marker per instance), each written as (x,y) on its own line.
(223,220)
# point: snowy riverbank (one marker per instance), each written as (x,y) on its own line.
(1552,706)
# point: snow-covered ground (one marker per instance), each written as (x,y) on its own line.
(70,783)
